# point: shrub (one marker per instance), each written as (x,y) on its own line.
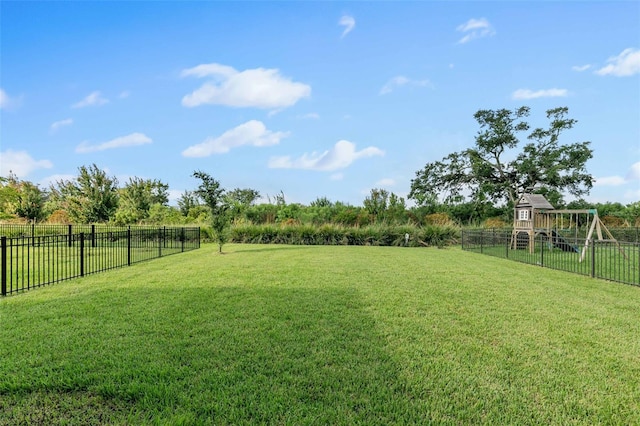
(441,219)
(335,234)
(495,222)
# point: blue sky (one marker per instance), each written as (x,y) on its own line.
(308,98)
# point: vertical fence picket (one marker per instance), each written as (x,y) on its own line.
(82,254)
(593,258)
(610,260)
(28,261)
(3,266)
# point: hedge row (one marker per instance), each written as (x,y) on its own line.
(376,235)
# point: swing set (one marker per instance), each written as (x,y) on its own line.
(534,215)
(593,223)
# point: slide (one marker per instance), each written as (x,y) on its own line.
(562,244)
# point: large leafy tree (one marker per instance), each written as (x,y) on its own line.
(138,196)
(91,197)
(500,167)
(30,203)
(215,198)
(21,198)
(240,199)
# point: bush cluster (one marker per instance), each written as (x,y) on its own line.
(330,234)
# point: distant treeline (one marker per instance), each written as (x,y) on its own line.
(95,197)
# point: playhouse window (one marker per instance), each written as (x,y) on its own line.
(523,214)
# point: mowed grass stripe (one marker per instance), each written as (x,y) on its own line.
(322,335)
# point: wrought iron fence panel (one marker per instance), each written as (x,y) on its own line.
(33,261)
(611,260)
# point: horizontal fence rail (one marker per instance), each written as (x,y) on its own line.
(41,229)
(606,259)
(34,261)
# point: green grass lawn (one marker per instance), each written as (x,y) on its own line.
(322,335)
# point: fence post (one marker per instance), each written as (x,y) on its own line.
(4,265)
(481,240)
(507,244)
(82,254)
(129,246)
(93,235)
(70,236)
(33,234)
(159,242)
(182,237)
(541,250)
(593,258)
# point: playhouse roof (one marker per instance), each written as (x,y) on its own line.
(537,201)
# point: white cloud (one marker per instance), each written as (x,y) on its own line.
(339,157)
(386,182)
(475,28)
(174,195)
(337,176)
(348,23)
(206,70)
(20,163)
(581,68)
(7,102)
(311,115)
(252,133)
(53,179)
(546,93)
(610,181)
(259,88)
(634,172)
(124,95)
(4,99)
(399,81)
(92,99)
(632,195)
(55,126)
(632,175)
(133,139)
(625,64)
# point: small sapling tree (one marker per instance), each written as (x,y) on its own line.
(214,197)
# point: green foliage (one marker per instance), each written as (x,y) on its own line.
(160,214)
(30,203)
(489,171)
(137,197)
(91,197)
(187,201)
(20,198)
(327,234)
(240,200)
(8,194)
(245,197)
(213,195)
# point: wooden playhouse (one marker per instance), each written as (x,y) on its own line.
(534,215)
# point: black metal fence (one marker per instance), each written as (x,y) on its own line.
(607,259)
(33,261)
(40,229)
